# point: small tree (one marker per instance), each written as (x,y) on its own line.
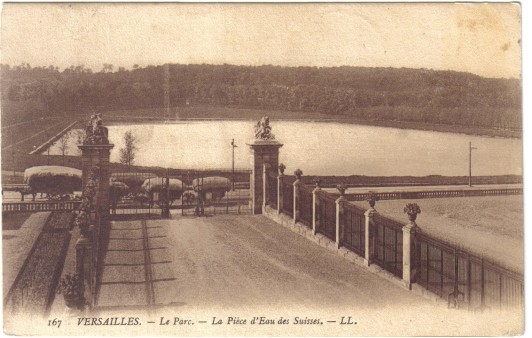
(127,154)
(63,145)
(76,136)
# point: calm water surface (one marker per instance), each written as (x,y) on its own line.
(320,148)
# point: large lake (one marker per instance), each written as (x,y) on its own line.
(320,148)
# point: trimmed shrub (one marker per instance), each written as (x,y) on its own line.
(134,181)
(53,179)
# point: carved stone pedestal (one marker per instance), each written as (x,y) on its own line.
(262,152)
(97,155)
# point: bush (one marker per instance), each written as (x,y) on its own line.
(53,179)
(213,183)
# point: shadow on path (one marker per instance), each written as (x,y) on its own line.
(127,278)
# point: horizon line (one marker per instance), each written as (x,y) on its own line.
(132,68)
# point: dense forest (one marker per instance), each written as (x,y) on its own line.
(415,95)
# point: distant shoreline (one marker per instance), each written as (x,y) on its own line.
(230,113)
(442,128)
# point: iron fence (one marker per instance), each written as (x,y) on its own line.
(465,279)
(388,246)
(287,189)
(305,205)
(272,189)
(461,277)
(326,216)
(353,224)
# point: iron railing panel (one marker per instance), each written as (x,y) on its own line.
(326,215)
(388,252)
(288,197)
(465,279)
(272,189)
(353,224)
(305,205)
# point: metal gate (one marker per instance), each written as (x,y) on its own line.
(211,192)
(185,192)
(128,194)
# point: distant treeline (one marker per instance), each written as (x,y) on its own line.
(416,95)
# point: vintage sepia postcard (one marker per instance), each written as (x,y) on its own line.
(262,169)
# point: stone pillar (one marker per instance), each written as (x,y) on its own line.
(92,155)
(315,204)
(296,184)
(262,152)
(279,192)
(265,184)
(339,229)
(369,236)
(409,242)
(409,238)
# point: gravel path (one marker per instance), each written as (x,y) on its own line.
(213,257)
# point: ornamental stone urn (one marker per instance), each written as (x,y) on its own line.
(371,199)
(298,173)
(341,188)
(69,288)
(282,167)
(412,210)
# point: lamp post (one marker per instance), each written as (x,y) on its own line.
(166,211)
(470,151)
(48,148)
(13,158)
(233,145)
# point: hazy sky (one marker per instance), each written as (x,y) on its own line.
(480,38)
